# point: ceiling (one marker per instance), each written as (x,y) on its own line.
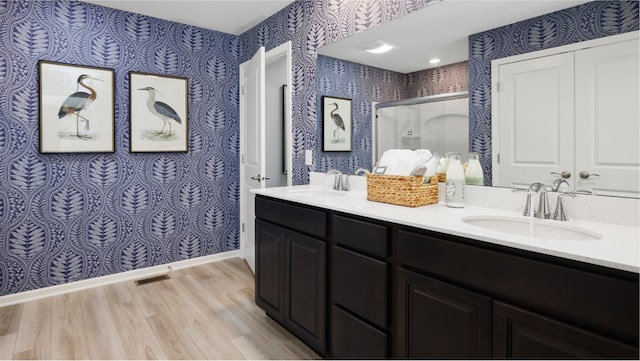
(440,30)
(231,17)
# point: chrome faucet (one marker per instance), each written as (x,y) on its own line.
(362,171)
(533,188)
(543,210)
(340,181)
(557,183)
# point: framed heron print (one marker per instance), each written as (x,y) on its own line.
(158,113)
(336,124)
(76,108)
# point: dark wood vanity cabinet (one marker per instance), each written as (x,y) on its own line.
(492,301)
(291,268)
(351,287)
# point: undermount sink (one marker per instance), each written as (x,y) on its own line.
(317,193)
(532,227)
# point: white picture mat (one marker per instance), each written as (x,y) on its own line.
(329,127)
(58,135)
(144,124)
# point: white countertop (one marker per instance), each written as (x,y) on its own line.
(618,248)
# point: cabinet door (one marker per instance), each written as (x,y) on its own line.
(522,334)
(438,320)
(607,113)
(535,121)
(306,288)
(270,268)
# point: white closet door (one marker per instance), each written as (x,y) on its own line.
(536,111)
(608,119)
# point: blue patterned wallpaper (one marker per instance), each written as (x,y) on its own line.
(362,84)
(67,217)
(585,22)
(452,78)
(310,25)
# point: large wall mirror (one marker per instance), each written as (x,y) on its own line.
(442,30)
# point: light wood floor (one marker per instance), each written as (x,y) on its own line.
(204,312)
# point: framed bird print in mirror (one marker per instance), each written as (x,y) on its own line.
(336,124)
(76,108)
(158,106)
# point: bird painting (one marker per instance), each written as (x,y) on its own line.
(337,119)
(77,102)
(161,110)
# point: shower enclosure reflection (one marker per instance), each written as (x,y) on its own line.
(439,123)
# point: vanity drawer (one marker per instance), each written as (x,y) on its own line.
(352,338)
(360,235)
(359,284)
(303,219)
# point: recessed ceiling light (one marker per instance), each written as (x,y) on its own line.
(378,47)
(434,61)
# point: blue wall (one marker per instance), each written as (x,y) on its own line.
(585,22)
(66,217)
(310,25)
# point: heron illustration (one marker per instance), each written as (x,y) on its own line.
(337,119)
(77,102)
(161,110)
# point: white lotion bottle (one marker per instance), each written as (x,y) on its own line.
(455,182)
(473,174)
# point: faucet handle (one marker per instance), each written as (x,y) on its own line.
(527,207)
(559,214)
(345,182)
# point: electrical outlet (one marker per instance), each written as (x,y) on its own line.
(308,157)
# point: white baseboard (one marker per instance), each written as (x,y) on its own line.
(109,279)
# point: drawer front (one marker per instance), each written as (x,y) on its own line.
(359,284)
(360,235)
(304,219)
(612,306)
(352,338)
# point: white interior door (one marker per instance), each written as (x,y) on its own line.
(607,113)
(536,112)
(252,135)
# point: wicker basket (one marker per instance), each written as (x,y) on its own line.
(442,177)
(402,190)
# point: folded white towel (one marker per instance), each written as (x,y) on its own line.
(422,156)
(394,160)
(404,167)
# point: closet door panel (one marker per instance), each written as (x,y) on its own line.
(607,113)
(535,122)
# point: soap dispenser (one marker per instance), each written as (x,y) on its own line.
(473,174)
(455,182)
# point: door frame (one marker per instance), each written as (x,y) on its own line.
(283,50)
